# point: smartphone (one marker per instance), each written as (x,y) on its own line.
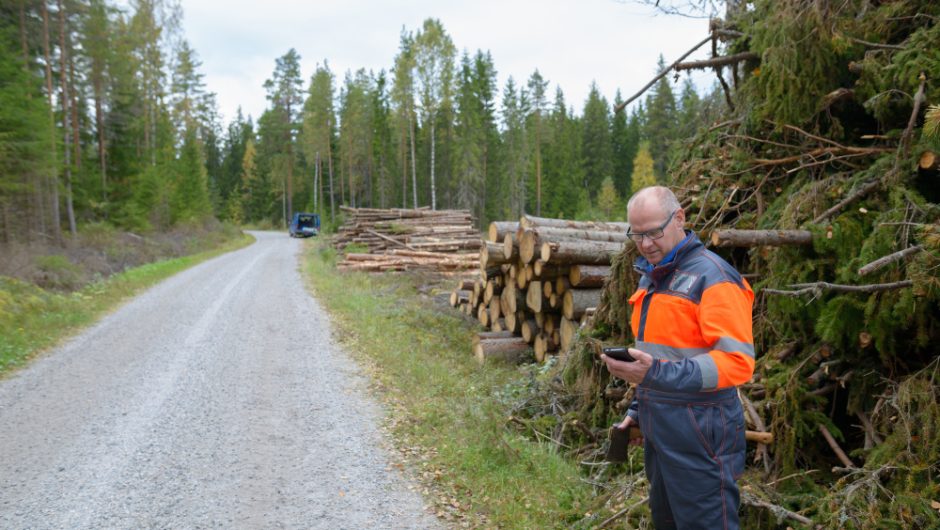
(620,353)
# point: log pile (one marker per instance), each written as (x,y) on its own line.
(539,281)
(402,239)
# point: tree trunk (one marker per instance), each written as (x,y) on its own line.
(492,254)
(498,230)
(54,177)
(550,233)
(576,302)
(510,247)
(544,344)
(588,275)
(569,329)
(531,221)
(329,162)
(534,298)
(414,167)
(582,252)
(513,351)
(66,126)
(754,238)
(433,185)
(460,297)
(528,246)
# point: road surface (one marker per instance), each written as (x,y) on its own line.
(217,399)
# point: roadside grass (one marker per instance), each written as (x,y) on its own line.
(33,319)
(447,414)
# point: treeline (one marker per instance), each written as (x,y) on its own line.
(106,119)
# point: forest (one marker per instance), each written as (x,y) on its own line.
(106,119)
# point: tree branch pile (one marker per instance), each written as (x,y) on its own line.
(819,185)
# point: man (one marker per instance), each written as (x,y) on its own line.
(694,344)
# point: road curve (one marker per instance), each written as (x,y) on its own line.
(216,399)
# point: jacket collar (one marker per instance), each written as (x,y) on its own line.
(669,263)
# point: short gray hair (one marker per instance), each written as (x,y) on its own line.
(662,195)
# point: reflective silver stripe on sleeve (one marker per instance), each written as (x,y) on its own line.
(709,371)
(670,353)
(729,344)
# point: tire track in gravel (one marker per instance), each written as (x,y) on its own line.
(216,399)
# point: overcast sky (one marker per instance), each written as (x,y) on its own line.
(571,42)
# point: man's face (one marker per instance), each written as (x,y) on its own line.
(648,216)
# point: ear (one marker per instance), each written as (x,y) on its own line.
(680,216)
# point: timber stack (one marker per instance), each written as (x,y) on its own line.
(539,280)
(408,239)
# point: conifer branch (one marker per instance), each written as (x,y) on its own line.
(890,258)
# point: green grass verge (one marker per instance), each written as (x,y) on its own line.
(447,412)
(33,319)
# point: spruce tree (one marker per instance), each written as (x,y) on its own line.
(661,122)
(596,146)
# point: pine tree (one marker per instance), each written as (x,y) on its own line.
(285,94)
(191,193)
(596,145)
(537,87)
(661,117)
(515,106)
(403,99)
(319,121)
(563,168)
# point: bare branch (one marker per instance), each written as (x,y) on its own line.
(717,61)
(863,190)
(890,258)
(814,288)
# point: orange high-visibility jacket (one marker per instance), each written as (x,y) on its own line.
(694,315)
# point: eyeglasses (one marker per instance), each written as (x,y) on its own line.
(653,234)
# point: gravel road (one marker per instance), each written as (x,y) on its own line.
(217,399)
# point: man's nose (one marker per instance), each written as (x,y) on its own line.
(646,243)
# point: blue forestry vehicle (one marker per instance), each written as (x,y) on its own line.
(304,225)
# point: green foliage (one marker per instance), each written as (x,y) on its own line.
(643,171)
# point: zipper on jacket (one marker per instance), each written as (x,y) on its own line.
(644,307)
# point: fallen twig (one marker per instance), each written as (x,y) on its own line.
(622,512)
(779,511)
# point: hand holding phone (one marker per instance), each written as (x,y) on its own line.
(619,353)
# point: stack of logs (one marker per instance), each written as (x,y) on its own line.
(401,239)
(539,279)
